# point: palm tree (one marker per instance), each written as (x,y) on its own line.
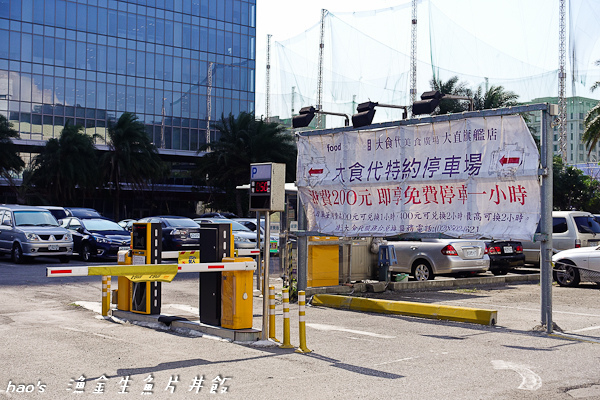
(65,164)
(454,87)
(244,140)
(10,162)
(132,158)
(494,97)
(591,134)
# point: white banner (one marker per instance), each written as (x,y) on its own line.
(471,178)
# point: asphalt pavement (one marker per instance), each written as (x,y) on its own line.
(55,340)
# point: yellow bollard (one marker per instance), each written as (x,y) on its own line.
(302,323)
(286,320)
(272,313)
(105,294)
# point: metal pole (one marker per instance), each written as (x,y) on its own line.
(302,247)
(265,286)
(546,223)
(258,257)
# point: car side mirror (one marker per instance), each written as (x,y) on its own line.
(7,222)
(80,229)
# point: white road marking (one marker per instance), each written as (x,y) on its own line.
(531,380)
(591,328)
(322,327)
(92,333)
(578,338)
(395,361)
(359,338)
(488,305)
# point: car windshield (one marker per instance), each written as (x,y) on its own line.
(181,222)
(102,225)
(34,218)
(587,225)
(235,226)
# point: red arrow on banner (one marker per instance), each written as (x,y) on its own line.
(509,160)
(315,171)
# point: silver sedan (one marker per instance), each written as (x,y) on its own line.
(425,258)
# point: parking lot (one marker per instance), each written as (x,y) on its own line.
(52,335)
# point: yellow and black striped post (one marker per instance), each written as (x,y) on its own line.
(302,323)
(105,294)
(272,313)
(286,320)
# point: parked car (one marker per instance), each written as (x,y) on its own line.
(223,214)
(32,232)
(505,255)
(127,224)
(424,258)
(178,233)
(577,265)
(570,229)
(250,223)
(243,238)
(81,212)
(58,212)
(96,237)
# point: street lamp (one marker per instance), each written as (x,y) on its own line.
(366,112)
(430,100)
(308,113)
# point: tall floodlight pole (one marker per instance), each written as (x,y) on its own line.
(562,76)
(320,82)
(268,79)
(209,102)
(413,54)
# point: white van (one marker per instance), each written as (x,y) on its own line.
(570,229)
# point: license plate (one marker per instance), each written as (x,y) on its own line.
(195,235)
(121,248)
(508,249)
(53,247)
(471,253)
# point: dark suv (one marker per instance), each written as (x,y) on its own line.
(32,232)
(178,233)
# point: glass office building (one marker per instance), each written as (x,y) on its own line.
(176,64)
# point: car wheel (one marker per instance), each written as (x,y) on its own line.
(566,273)
(500,271)
(64,259)
(422,271)
(17,254)
(86,252)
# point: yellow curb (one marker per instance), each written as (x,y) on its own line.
(424,310)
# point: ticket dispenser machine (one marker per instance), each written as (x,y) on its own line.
(146,240)
(216,243)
